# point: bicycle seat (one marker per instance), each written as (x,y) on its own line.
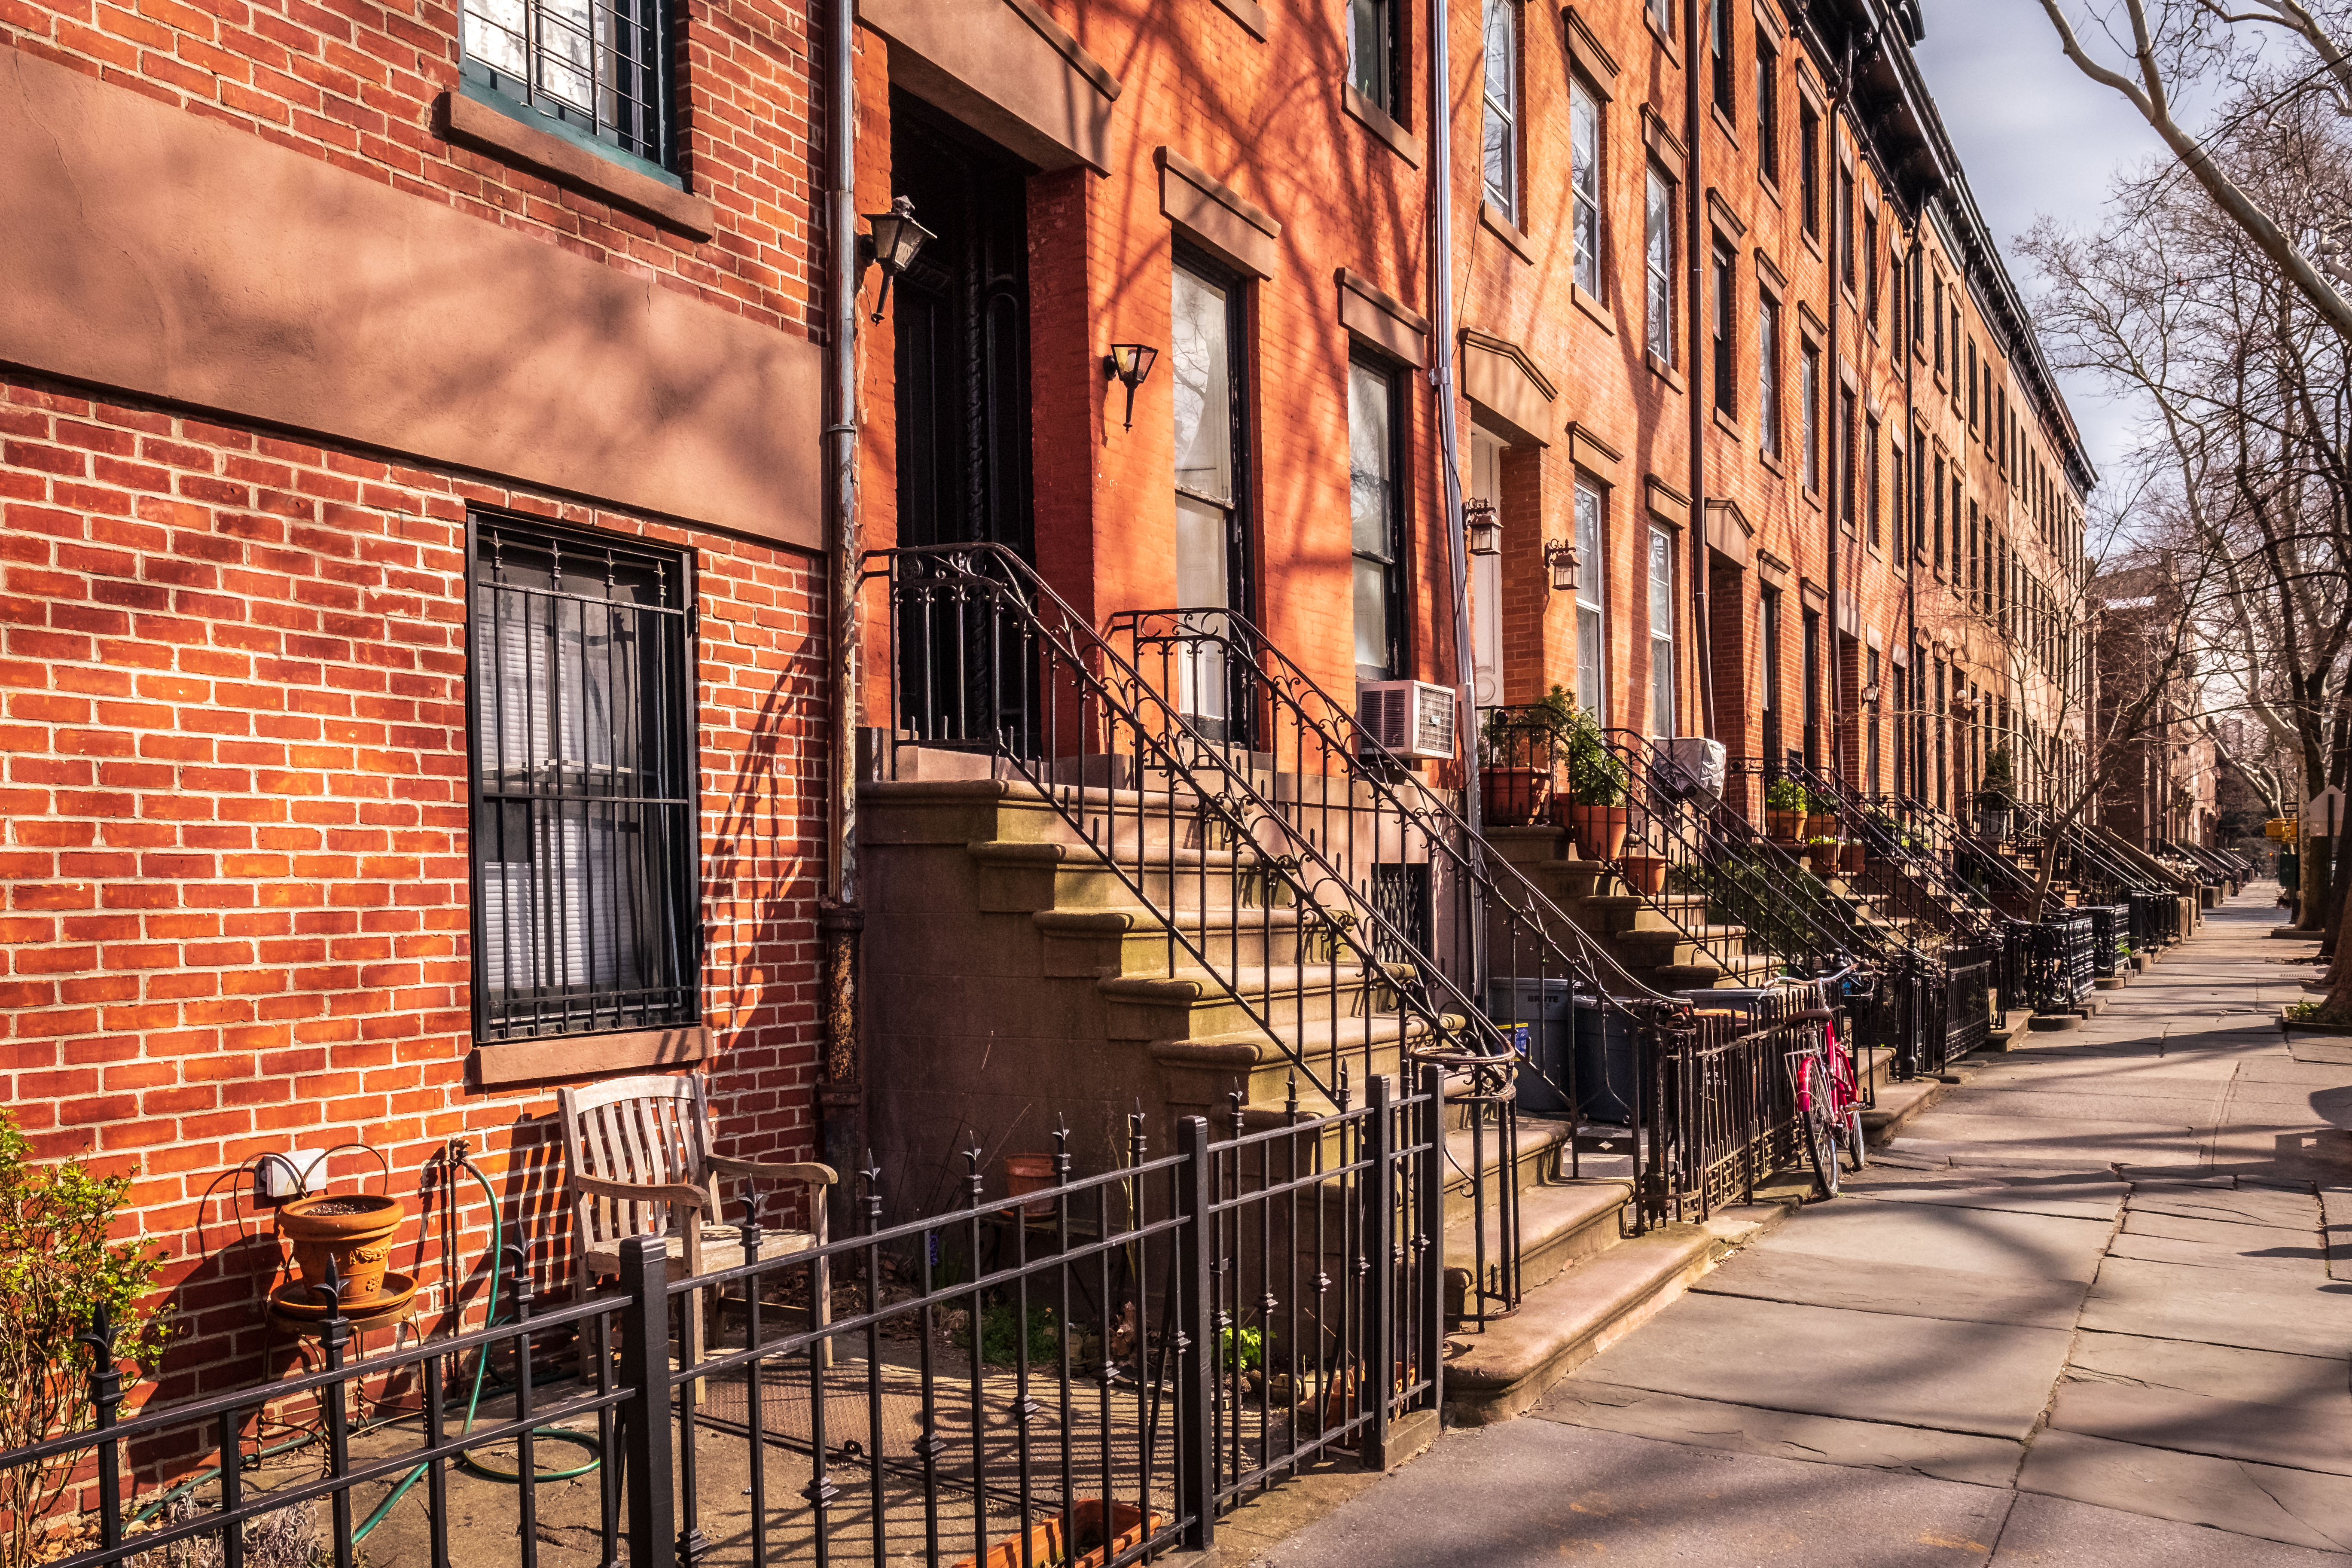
(1811,1016)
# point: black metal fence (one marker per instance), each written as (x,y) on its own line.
(2110,933)
(1083,1375)
(2059,961)
(1718,1100)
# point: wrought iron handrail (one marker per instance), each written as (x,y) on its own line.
(1788,913)
(1916,889)
(1085,717)
(1956,849)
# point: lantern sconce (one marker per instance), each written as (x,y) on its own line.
(1485,528)
(1129,364)
(893,238)
(1567,566)
(1870,695)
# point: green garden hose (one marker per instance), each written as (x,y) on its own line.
(467,1460)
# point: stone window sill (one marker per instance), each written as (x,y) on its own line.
(579,1058)
(1377,120)
(492,130)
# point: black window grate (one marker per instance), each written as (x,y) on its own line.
(582,809)
(599,67)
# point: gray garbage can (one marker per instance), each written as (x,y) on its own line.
(1542,1008)
(1608,1061)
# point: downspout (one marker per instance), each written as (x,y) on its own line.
(1915,515)
(1695,271)
(1441,377)
(1841,451)
(840,917)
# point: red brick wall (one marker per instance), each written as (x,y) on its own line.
(235,738)
(355,84)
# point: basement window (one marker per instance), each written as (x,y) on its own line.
(578,704)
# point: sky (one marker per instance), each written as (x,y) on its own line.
(2036,137)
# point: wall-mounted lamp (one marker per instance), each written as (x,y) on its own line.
(1485,528)
(1567,566)
(893,238)
(1870,695)
(1129,363)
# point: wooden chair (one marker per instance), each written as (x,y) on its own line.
(637,1162)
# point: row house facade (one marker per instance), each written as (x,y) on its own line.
(438,469)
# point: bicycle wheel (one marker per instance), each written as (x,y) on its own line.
(1820,1132)
(1854,1141)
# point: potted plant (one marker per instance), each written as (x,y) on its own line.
(1820,853)
(1644,874)
(1785,805)
(353,1229)
(1852,856)
(1820,815)
(1515,750)
(1594,811)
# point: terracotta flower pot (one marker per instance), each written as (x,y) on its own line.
(1820,825)
(352,1228)
(1853,857)
(1646,874)
(1784,825)
(1599,830)
(1082,1538)
(1030,1174)
(1513,797)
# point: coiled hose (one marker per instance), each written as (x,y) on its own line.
(473,1402)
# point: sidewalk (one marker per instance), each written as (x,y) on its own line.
(2080,1312)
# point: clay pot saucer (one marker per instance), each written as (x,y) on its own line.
(298,1300)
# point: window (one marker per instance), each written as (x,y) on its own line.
(1870,735)
(1844,220)
(1658,265)
(1376,515)
(1870,506)
(580,683)
(1591,646)
(1662,632)
(1938,288)
(1661,14)
(1205,343)
(598,67)
(1767,374)
(1719,44)
(1809,169)
(1768,106)
(1811,695)
(1502,90)
(1937,532)
(1584,183)
(1374,53)
(1727,322)
(1972,384)
(1842,460)
(1768,688)
(1870,269)
(1810,391)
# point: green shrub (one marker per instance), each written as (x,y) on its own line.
(56,1270)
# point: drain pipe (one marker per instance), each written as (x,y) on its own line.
(1440,377)
(841,918)
(1695,258)
(1841,454)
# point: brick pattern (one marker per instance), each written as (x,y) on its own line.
(236,854)
(355,84)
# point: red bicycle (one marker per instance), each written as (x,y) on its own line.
(1828,1097)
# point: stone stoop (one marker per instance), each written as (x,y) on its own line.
(1644,933)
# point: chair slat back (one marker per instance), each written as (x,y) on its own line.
(651,1128)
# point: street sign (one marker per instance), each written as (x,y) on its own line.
(2325,811)
(2279,828)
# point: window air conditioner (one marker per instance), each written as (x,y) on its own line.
(1411,718)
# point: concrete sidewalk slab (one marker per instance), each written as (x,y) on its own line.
(2171,1418)
(2168,1300)
(1905,1289)
(2054,1533)
(2300,1507)
(1786,1434)
(2071,1197)
(1541,1492)
(2285,1256)
(2219,1372)
(1985,1378)
(1992,1240)
(2269,1208)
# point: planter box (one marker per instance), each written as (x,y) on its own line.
(1513,797)
(2306,1027)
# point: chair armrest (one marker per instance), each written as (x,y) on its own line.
(677,1192)
(807,1170)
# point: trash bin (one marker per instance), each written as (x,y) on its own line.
(1608,1061)
(1539,1009)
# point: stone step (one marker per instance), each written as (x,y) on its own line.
(1560,1224)
(1136,941)
(1501,1371)
(1187,1004)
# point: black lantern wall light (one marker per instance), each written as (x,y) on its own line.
(894,239)
(1484,529)
(1567,566)
(1129,364)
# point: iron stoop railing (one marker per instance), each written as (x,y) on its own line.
(1096,1371)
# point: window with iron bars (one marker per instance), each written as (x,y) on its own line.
(579,687)
(597,70)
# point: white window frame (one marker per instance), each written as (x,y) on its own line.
(1500,89)
(1661,575)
